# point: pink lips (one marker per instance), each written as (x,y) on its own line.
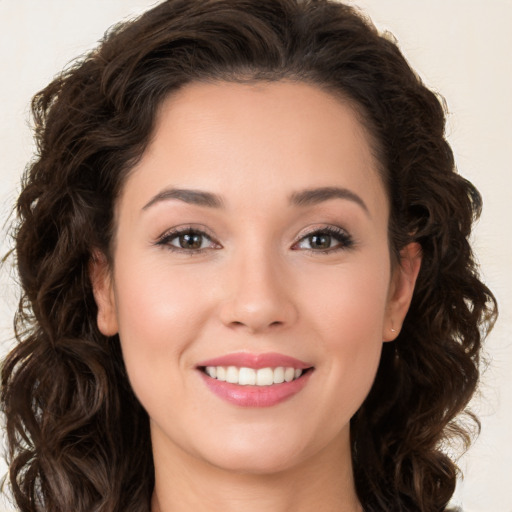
(256,361)
(255,396)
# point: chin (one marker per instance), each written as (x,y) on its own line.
(256,463)
(259,455)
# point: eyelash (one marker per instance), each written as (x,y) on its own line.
(165,240)
(344,239)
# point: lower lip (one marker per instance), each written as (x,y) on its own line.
(256,396)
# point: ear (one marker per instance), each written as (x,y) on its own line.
(103,290)
(401,290)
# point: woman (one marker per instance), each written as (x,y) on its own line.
(246,272)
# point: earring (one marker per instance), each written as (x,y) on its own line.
(393,330)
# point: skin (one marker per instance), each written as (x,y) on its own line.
(260,285)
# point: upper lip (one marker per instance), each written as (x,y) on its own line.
(256,361)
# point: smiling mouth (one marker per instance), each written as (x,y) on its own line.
(262,377)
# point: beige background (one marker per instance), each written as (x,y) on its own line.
(461,48)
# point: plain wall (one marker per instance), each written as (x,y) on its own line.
(461,48)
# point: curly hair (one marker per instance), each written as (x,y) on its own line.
(78,438)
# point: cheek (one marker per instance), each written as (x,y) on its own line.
(347,315)
(145,300)
(160,314)
(348,303)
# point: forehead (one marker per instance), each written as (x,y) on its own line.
(257,139)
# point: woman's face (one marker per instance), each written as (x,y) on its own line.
(253,234)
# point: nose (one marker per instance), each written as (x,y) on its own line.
(259,294)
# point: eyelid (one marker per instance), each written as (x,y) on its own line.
(346,241)
(164,239)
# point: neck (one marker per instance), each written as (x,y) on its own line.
(323,482)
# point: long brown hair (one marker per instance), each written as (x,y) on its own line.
(78,438)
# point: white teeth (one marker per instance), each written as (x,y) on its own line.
(289,374)
(246,376)
(211,371)
(279,375)
(221,373)
(251,377)
(264,377)
(232,374)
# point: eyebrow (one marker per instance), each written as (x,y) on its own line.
(197,197)
(302,198)
(310,197)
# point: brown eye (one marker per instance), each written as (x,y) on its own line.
(190,240)
(187,240)
(326,240)
(320,241)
